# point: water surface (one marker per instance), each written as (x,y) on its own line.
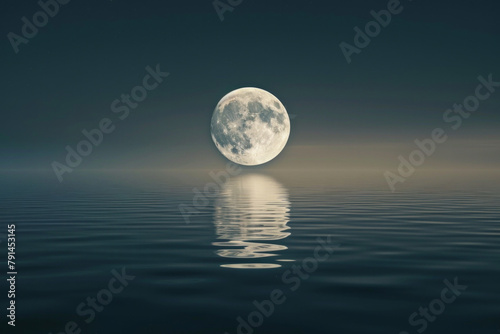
(199,275)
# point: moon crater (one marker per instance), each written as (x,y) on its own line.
(250,126)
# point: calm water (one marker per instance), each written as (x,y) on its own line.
(392,251)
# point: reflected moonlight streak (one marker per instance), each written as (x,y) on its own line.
(251,209)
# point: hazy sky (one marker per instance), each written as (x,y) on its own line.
(358,115)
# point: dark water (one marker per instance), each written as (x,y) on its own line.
(386,254)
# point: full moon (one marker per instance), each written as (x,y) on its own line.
(250,126)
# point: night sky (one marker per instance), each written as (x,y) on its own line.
(358,115)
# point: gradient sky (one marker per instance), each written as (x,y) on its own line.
(358,115)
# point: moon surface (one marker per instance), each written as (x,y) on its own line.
(250,126)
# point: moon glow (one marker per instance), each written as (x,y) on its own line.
(250,126)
